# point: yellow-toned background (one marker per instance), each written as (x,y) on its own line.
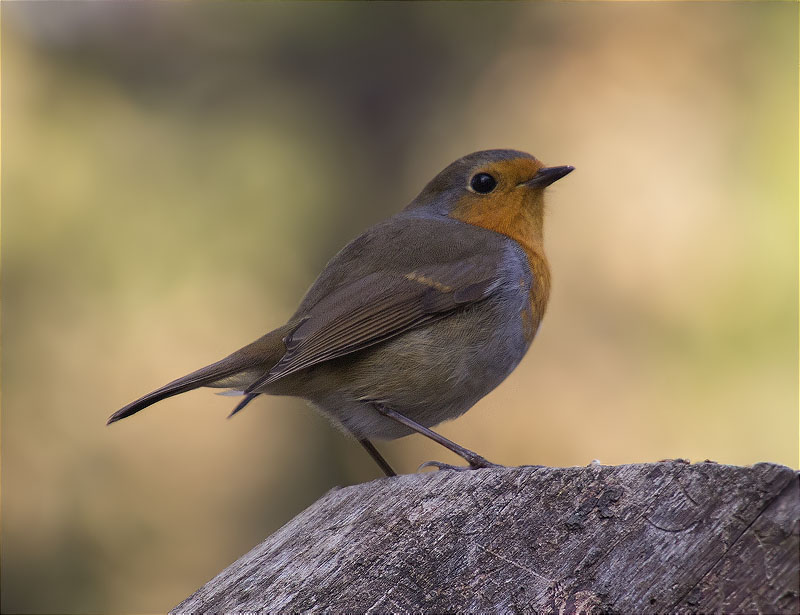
(175,176)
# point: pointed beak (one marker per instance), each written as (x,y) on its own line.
(546,176)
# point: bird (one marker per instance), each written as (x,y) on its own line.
(416,319)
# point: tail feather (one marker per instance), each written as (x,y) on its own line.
(201,377)
(240,406)
(248,363)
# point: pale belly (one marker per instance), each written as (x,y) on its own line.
(430,374)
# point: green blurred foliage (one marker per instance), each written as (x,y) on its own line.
(174,177)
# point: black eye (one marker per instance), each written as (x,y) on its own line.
(483,183)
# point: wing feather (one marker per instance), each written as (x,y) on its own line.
(378,307)
(331,330)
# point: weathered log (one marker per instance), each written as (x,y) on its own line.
(667,537)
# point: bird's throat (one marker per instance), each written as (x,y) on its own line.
(520,219)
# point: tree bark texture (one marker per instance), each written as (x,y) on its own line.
(667,537)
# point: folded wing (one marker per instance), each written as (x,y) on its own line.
(380,306)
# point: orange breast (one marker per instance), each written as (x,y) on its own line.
(519,216)
(538,296)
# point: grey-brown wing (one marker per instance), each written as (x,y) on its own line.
(380,306)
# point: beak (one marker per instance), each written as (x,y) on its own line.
(546,176)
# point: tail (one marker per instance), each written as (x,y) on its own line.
(237,370)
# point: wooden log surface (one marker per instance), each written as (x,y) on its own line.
(667,537)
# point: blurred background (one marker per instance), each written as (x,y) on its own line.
(175,176)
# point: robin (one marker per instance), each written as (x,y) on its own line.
(415,320)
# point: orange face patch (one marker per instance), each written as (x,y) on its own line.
(511,208)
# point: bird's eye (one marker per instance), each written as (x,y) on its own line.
(483,183)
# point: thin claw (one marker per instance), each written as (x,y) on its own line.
(477,462)
(442,466)
(446,466)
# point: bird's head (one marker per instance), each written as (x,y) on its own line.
(499,189)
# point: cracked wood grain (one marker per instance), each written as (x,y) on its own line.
(647,538)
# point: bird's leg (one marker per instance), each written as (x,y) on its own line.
(387,469)
(473,459)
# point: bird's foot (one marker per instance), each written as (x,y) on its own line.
(475,463)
